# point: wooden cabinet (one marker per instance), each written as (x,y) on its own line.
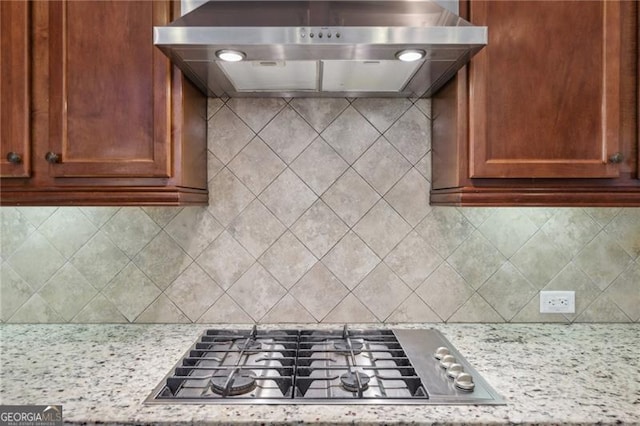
(111,120)
(547,113)
(14,90)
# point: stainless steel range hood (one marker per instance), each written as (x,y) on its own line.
(320,48)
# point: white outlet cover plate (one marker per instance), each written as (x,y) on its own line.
(557,302)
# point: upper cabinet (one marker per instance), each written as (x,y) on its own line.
(108,90)
(14,90)
(547,113)
(111,120)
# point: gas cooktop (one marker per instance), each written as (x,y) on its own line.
(364,366)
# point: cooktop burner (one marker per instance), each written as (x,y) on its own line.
(238,382)
(375,366)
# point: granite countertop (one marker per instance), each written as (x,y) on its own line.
(548,373)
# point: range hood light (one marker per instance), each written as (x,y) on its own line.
(228,55)
(410,55)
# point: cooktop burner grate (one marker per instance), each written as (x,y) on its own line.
(318,366)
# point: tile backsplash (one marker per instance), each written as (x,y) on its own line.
(318,212)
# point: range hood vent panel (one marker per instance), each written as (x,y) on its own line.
(366,76)
(272,75)
(320,48)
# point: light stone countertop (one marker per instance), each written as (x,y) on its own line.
(549,374)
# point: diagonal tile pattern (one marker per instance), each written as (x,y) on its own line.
(194,292)
(382,165)
(131,291)
(603,260)
(162,260)
(507,291)
(225,310)
(381,112)
(319,291)
(78,230)
(14,290)
(476,260)
(287,260)
(14,229)
(288,134)
(227,197)
(625,228)
(445,229)
(571,229)
(36,310)
(288,197)
(319,166)
(161,215)
(225,260)
(319,113)
(256,112)
(36,215)
(227,134)
(162,310)
(349,310)
(256,291)
(319,229)
(318,212)
(350,197)
(350,135)
(445,291)
(413,260)
(382,228)
(286,310)
(194,228)
(410,197)
(99,215)
(67,292)
(625,291)
(411,135)
(508,229)
(539,259)
(256,166)
(99,310)
(382,291)
(131,230)
(36,260)
(351,260)
(99,260)
(256,228)
(413,309)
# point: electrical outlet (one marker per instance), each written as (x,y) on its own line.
(557,302)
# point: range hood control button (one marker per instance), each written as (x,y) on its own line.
(447,361)
(311,35)
(454,370)
(464,381)
(441,351)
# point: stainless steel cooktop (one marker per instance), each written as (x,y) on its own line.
(344,366)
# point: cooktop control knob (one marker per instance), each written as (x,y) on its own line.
(440,352)
(464,381)
(454,370)
(447,361)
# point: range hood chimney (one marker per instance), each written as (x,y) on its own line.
(321,48)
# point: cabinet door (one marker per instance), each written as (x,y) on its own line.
(545,92)
(109,92)
(14,89)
